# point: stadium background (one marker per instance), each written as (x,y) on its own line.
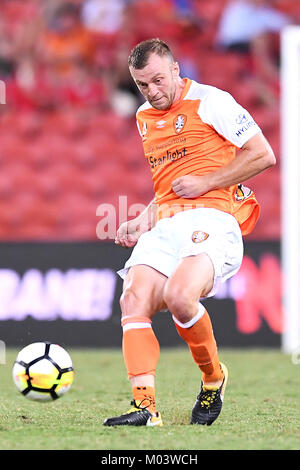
(69,144)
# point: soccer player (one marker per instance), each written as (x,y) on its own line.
(189,238)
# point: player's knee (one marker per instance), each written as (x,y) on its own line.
(129,300)
(132,301)
(179,302)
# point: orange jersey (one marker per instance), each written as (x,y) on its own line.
(198,134)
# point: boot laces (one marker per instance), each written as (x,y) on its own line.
(208,397)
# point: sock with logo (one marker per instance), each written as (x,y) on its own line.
(199,336)
(144,397)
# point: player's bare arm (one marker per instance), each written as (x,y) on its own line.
(129,232)
(255,156)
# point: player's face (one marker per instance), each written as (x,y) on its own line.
(158,81)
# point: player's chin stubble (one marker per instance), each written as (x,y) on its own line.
(166,104)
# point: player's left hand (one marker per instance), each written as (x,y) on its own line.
(190,186)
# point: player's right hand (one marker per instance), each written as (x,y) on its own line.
(127,235)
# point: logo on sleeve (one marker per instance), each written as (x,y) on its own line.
(241,119)
(244,124)
(179,123)
(198,236)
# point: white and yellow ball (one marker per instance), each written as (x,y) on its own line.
(43,371)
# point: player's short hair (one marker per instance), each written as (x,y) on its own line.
(139,55)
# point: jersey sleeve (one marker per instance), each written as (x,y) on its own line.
(220,110)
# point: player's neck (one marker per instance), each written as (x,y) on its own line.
(179,89)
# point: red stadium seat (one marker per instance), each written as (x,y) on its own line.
(58,165)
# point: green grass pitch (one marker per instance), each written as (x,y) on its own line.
(261,408)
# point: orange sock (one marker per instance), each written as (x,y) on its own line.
(199,336)
(140,346)
(145,397)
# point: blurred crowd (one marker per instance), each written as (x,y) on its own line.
(74,52)
(68,135)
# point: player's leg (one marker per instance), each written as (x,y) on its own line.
(142,297)
(193,279)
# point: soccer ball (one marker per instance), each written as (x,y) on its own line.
(43,371)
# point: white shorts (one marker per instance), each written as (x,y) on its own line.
(188,233)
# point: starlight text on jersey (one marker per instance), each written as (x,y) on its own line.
(169,156)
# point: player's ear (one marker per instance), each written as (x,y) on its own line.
(175,69)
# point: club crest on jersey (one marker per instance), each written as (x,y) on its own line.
(199,236)
(179,122)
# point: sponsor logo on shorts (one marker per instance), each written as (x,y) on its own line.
(199,236)
(179,122)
